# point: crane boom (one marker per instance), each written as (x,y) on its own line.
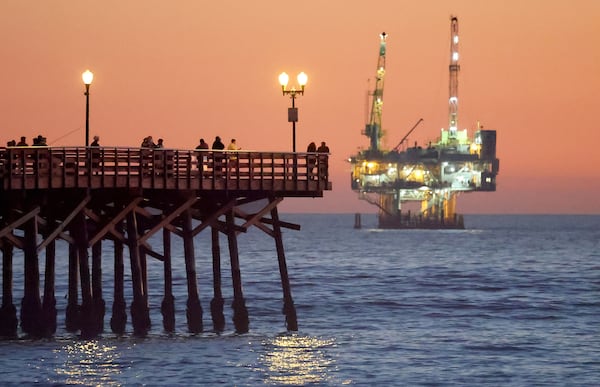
(454,69)
(373,128)
(397,147)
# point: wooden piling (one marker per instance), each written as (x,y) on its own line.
(49,303)
(167,307)
(72,312)
(31,305)
(240,313)
(87,316)
(289,310)
(139,308)
(144,272)
(194,309)
(118,319)
(8,311)
(98,300)
(216,304)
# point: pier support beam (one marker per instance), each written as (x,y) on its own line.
(119,314)
(31,305)
(144,272)
(240,313)
(8,311)
(167,307)
(49,304)
(99,304)
(194,309)
(139,308)
(216,304)
(289,310)
(87,316)
(72,312)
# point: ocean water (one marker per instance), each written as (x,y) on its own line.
(510,301)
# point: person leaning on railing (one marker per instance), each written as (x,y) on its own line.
(322,166)
(200,157)
(95,154)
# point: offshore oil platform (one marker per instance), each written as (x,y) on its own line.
(398,179)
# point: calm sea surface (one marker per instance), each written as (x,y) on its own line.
(511,301)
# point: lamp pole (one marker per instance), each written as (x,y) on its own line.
(87,77)
(293,111)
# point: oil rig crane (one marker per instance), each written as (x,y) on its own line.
(433,176)
(373,128)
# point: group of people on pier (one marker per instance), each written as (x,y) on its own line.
(218,160)
(37,141)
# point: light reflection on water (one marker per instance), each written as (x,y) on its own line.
(89,363)
(296,360)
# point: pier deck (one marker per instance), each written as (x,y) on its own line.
(85,196)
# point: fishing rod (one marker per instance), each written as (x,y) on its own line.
(68,134)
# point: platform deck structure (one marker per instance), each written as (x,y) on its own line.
(87,195)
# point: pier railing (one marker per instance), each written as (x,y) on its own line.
(301,174)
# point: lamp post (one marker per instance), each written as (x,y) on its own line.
(87,77)
(293,111)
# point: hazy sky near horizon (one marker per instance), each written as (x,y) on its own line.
(187,69)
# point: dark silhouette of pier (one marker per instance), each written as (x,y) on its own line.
(88,195)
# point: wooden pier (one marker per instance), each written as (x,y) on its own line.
(85,196)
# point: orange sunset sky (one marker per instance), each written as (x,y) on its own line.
(187,69)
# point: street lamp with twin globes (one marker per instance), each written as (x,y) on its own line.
(293,92)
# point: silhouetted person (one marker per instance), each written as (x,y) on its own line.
(323,148)
(232,157)
(311,160)
(218,145)
(23,142)
(202,145)
(322,166)
(95,154)
(148,142)
(160,143)
(39,141)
